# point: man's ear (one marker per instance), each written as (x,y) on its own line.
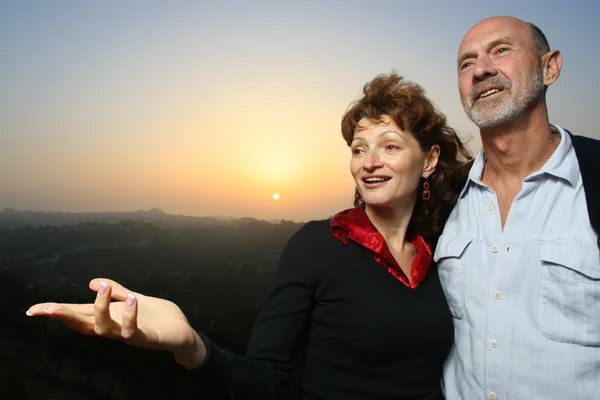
(551,66)
(431,159)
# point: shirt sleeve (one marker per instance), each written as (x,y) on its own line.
(278,336)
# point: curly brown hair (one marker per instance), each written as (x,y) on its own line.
(406,104)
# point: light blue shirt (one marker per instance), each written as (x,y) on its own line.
(526,299)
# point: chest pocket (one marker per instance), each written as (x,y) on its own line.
(449,255)
(569,292)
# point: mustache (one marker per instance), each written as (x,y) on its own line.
(499,83)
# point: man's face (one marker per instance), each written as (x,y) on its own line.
(499,71)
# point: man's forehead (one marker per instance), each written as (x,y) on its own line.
(492,30)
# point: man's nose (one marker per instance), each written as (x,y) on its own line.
(483,68)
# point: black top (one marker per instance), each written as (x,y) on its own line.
(360,333)
(587,150)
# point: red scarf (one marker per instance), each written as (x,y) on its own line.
(354,224)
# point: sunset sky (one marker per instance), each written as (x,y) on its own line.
(209,108)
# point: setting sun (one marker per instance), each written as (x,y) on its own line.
(275,196)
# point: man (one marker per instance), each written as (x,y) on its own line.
(519,257)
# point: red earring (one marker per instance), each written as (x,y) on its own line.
(426,193)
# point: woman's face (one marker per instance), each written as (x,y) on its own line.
(387,163)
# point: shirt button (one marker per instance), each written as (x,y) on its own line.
(493,396)
(494,249)
(497,295)
(490,207)
(493,344)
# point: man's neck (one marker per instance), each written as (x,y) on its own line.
(516,151)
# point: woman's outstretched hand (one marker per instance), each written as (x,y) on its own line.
(135,319)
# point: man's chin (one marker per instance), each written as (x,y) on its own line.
(488,121)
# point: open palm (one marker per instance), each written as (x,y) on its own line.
(133,318)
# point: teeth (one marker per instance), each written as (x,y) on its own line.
(370,180)
(487,93)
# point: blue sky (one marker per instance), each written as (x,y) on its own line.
(208,108)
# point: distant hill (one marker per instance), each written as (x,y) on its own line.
(218,270)
(15,219)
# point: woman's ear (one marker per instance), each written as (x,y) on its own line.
(431,159)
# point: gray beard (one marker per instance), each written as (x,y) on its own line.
(506,110)
(501,117)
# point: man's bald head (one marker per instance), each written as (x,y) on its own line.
(537,36)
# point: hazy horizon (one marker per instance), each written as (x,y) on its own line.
(208,109)
(149,210)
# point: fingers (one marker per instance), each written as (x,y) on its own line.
(96,318)
(129,323)
(79,317)
(118,291)
(59,310)
(41,309)
(103,322)
(78,321)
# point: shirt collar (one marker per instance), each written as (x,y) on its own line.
(561,164)
(354,224)
(475,172)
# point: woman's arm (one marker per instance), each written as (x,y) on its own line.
(151,322)
(278,335)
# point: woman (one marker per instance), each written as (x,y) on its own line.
(355,297)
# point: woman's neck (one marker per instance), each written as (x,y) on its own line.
(391,222)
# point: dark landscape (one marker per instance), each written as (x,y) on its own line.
(217,270)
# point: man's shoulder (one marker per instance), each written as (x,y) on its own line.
(587,151)
(582,142)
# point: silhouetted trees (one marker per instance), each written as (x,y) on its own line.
(219,275)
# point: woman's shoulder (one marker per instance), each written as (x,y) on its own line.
(307,251)
(314,231)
